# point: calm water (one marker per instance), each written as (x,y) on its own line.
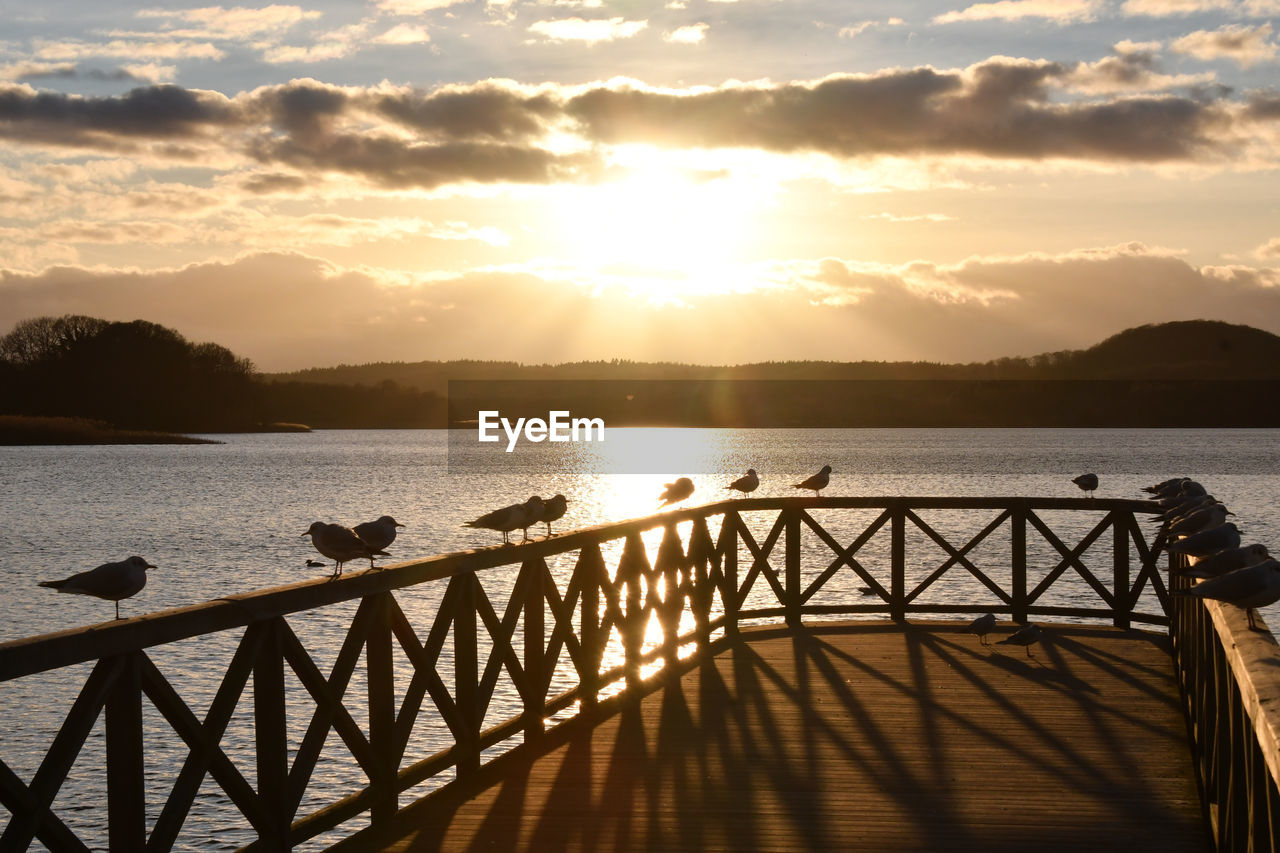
(222,519)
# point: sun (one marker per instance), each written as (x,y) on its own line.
(661,221)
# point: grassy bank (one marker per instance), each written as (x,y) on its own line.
(24,429)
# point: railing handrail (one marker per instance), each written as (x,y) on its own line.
(43,652)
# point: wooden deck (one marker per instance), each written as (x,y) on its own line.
(878,737)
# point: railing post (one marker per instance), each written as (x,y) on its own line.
(534,647)
(728,547)
(794,588)
(1120,571)
(631,573)
(591,567)
(466,669)
(272,738)
(898,561)
(382,709)
(701,593)
(1018,562)
(126,794)
(670,558)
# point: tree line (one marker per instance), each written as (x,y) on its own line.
(141,375)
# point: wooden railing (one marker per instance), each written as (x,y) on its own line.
(613,618)
(1229,678)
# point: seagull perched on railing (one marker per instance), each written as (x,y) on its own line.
(817,482)
(982,626)
(676,492)
(1086,482)
(1226,560)
(340,544)
(1023,637)
(1165,489)
(110,581)
(747,483)
(1206,542)
(553,509)
(1255,586)
(505,520)
(1199,519)
(377,534)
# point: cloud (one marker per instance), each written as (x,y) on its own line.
(691,34)
(589,31)
(1268,251)
(123,49)
(1169,8)
(1058,11)
(290,311)
(922,217)
(414,7)
(1133,68)
(1241,44)
(404,34)
(215,22)
(152,72)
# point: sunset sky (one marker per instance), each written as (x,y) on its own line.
(717,182)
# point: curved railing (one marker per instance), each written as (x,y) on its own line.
(612,618)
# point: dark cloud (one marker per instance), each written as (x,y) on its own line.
(497,132)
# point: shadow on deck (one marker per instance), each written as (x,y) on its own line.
(872,736)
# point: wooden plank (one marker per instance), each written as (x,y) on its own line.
(874,736)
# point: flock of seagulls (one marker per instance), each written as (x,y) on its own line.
(522,516)
(1195,524)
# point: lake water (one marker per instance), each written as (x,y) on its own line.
(228,518)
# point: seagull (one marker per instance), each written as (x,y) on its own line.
(533,509)
(553,509)
(377,534)
(676,492)
(817,482)
(1024,637)
(110,581)
(504,520)
(1255,586)
(1226,560)
(340,544)
(747,483)
(1205,542)
(1203,518)
(1086,482)
(1168,488)
(982,626)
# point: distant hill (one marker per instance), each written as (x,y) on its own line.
(1193,349)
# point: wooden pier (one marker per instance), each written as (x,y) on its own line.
(878,737)
(700,679)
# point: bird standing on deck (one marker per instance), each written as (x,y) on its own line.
(1255,586)
(1023,637)
(747,483)
(377,534)
(1086,482)
(817,482)
(677,491)
(340,544)
(982,626)
(110,581)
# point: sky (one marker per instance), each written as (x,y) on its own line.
(711,181)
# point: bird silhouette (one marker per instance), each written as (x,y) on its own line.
(553,509)
(340,544)
(747,483)
(504,520)
(676,492)
(817,482)
(1205,542)
(1086,482)
(1023,637)
(377,534)
(110,581)
(982,626)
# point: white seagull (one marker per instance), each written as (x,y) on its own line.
(817,482)
(110,581)
(1255,586)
